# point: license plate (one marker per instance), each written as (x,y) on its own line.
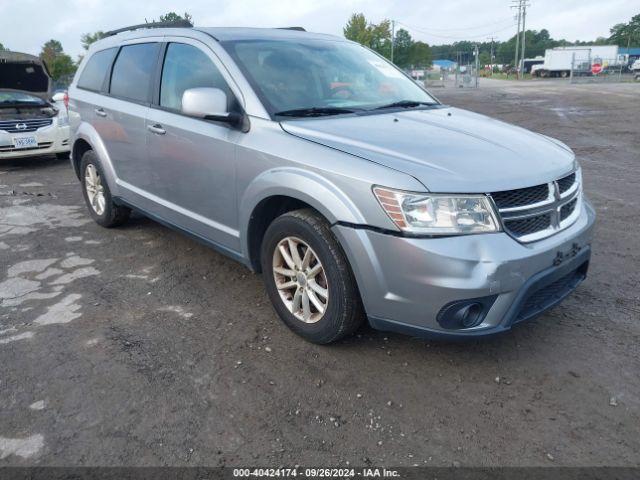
(25,142)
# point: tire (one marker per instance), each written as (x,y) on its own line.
(343,312)
(110,215)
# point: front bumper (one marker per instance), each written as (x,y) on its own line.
(51,140)
(405,282)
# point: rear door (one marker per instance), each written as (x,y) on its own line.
(121,116)
(193,160)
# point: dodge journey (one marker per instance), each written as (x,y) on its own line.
(314,161)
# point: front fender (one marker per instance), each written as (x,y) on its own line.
(87,133)
(303,185)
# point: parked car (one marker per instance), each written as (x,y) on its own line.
(315,161)
(32,121)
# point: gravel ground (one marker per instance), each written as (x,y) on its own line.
(138,346)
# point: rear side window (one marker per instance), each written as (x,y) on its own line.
(95,72)
(133,70)
(187,67)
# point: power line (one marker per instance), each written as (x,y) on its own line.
(463,37)
(477,27)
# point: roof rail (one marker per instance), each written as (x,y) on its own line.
(174,24)
(299,29)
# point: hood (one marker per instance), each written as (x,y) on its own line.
(447,149)
(22,72)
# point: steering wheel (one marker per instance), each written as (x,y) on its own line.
(342,92)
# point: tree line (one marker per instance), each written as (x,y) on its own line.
(406,52)
(411,54)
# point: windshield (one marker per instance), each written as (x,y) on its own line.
(322,76)
(19,97)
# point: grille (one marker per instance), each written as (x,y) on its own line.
(533,213)
(566,183)
(568,209)
(30,125)
(548,296)
(11,148)
(521,196)
(526,226)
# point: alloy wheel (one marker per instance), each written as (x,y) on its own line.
(300,279)
(95,189)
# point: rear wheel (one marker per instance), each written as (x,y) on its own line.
(97,194)
(308,278)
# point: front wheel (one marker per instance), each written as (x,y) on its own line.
(308,278)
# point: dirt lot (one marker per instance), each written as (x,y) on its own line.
(138,346)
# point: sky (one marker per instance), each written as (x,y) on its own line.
(26,24)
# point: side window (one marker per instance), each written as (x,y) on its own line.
(95,72)
(186,66)
(133,70)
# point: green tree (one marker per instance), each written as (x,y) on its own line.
(174,17)
(381,38)
(376,37)
(420,55)
(357,29)
(62,66)
(402,49)
(50,50)
(2,47)
(88,38)
(623,34)
(59,63)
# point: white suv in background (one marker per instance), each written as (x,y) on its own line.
(31,122)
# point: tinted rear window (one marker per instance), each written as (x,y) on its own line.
(95,72)
(132,72)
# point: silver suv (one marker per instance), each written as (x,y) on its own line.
(315,161)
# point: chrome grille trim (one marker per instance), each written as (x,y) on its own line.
(552,207)
(24,126)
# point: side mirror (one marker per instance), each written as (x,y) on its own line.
(207,103)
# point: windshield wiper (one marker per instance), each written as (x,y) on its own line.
(405,104)
(314,111)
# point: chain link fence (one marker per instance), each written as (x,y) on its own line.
(601,70)
(466,76)
(461,77)
(436,78)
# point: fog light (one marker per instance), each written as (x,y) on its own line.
(464,314)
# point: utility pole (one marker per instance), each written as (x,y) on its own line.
(393,37)
(524,33)
(517,4)
(491,56)
(476,53)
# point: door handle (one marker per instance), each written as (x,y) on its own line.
(157,129)
(100,112)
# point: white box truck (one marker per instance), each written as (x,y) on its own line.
(558,61)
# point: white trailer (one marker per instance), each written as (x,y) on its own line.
(559,61)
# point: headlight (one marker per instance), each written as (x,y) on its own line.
(435,214)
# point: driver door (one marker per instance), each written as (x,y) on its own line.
(193,160)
